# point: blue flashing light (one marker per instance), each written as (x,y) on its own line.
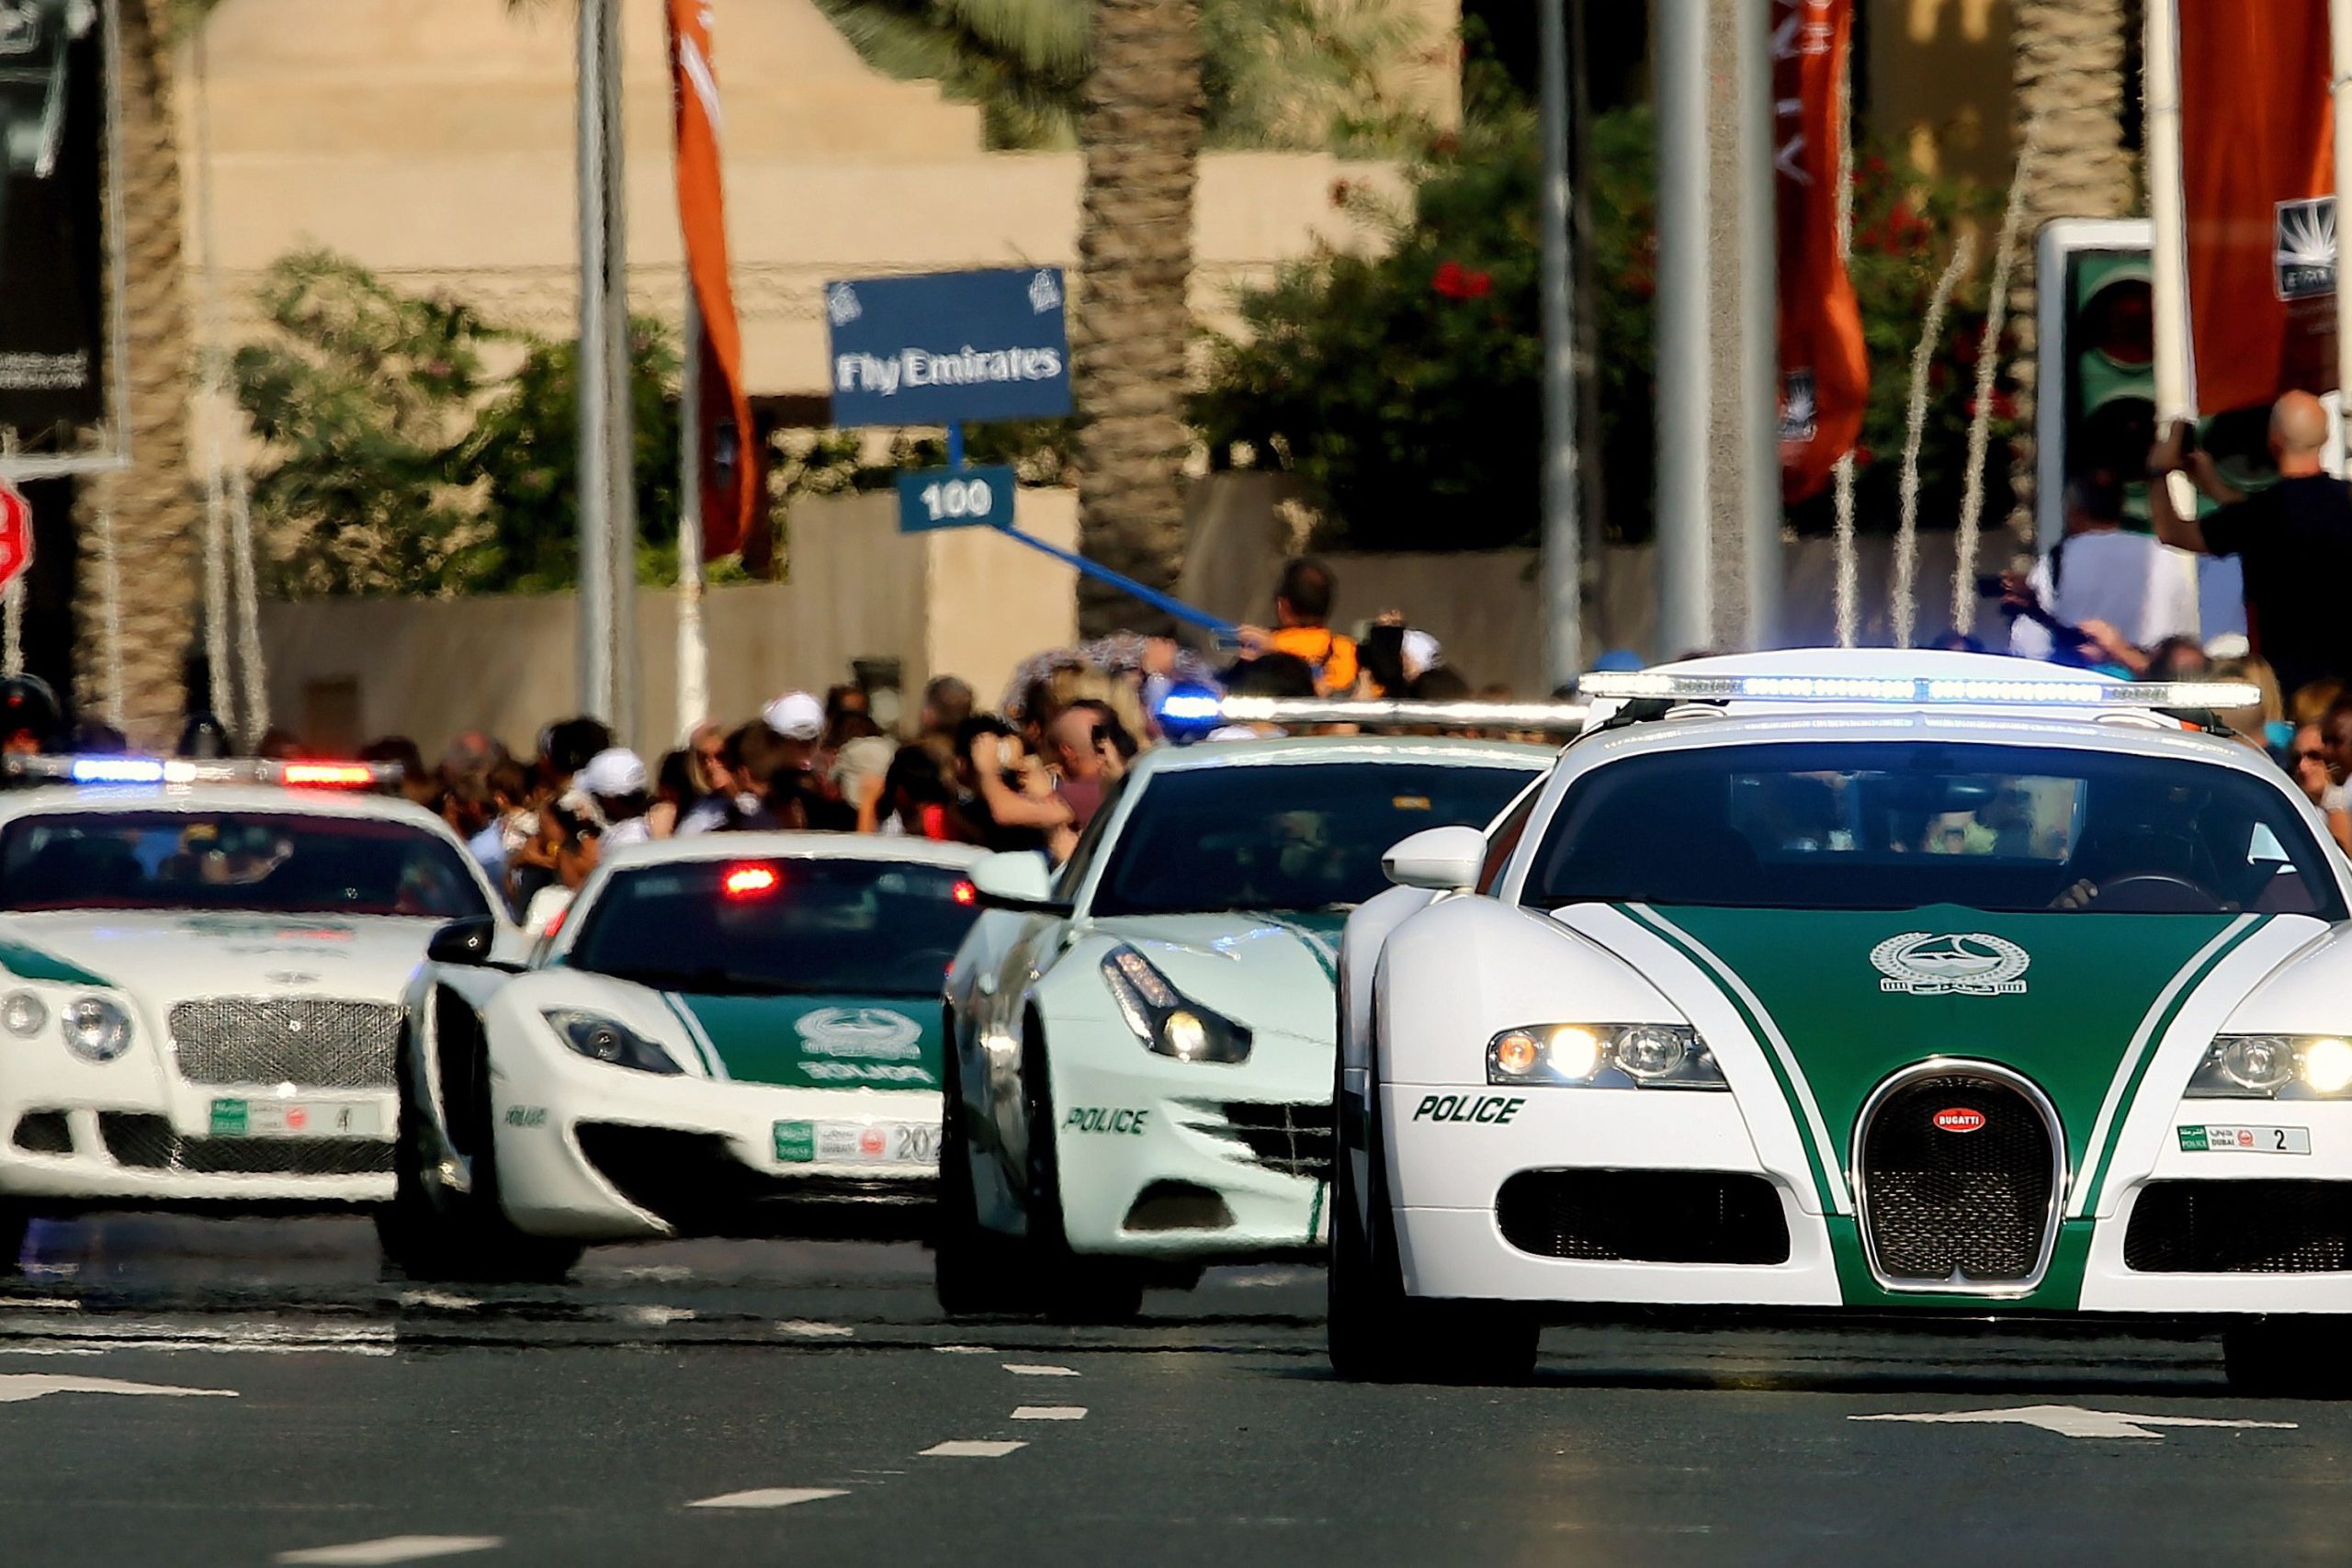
(116,770)
(1187,713)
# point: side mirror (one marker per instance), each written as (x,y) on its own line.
(1020,881)
(463,943)
(1442,860)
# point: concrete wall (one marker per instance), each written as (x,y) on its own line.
(967,601)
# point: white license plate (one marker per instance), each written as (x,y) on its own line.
(857,1142)
(2246,1140)
(296,1119)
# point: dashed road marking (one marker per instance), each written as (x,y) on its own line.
(965,1350)
(654,1315)
(40,1304)
(2074,1421)
(770,1497)
(252,1337)
(807,1330)
(390,1549)
(969,1450)
(438,1300)
(1025,1370)
(17,1387)
(1050,1413)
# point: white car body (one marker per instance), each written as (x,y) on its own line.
(1431,977)
(260,1066)
(591,1151)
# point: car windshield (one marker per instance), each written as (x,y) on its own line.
(870,928)
(270,862)
(1284,836)
(1880,826)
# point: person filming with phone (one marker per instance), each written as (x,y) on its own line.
(2100,575)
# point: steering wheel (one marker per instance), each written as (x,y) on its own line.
(2154,893)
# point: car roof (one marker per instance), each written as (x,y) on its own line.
(1273,751)
(798,846)
(200,797)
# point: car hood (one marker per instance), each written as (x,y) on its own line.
(191,952)
(1270,971)
(816,1041)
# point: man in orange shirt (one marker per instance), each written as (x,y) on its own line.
(1302,627)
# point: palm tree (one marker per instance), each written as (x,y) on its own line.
(2069,58)
(1141,130)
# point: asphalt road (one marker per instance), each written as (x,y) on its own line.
(183,1392)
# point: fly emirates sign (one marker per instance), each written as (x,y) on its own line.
(946,348)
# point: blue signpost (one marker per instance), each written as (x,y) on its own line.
(944,348)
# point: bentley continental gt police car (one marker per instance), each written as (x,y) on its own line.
(732,1033)
(1888,985)
(1140,1064)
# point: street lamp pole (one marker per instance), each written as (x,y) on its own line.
(592,497)
(1563,535)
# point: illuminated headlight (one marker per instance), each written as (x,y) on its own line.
(1164,1019)
(2275,1067)
(602,1039)
(23,1014)
(95,1029)
(1603,1055)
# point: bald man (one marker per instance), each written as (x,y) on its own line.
(2294,539)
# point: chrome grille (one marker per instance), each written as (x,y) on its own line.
(299,1040)
(1970,1212)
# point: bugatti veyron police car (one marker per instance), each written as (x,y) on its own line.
(1886,984)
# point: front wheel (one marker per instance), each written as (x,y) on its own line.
(975,1271)
(1376,1333)
(1070,1286)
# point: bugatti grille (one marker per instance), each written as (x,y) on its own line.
(298,1040)
(1959,1174)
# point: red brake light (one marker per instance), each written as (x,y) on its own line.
(328,776)
(749,881)
(967,894)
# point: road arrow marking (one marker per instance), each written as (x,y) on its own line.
(2074,1421)
(17,1387)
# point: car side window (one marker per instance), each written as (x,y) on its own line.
(1506,834)
(1073,873)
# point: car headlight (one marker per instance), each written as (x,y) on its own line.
(602,1039)
(23,1014)
(2275,1067)
(96,1029)
(1603,1055)
(1164,1019)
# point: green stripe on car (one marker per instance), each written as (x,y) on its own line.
(30,962)
(834,1042)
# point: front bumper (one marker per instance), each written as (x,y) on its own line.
(1446,1176)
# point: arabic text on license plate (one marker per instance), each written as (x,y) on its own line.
(295,1119)
(865,1143)
(2246,1140)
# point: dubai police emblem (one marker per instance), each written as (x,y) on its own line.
(1971,965)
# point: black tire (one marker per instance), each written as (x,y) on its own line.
(432,1234)
(976,1271)
(1069,1286)
(1372,1330)
(2290,1358)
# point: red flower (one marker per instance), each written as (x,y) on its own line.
(1451,280)
(1478,285)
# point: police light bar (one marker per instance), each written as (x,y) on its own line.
(180,772)
(1920,691)
(1386,714)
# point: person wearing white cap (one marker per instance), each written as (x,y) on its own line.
(795,715)
(617,780)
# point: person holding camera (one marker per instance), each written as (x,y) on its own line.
(2098,576)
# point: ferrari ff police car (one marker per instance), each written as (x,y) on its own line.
(200,974)
(1897,985)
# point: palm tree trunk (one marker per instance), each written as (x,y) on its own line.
(153,503)
(2069,73)
(1141,131)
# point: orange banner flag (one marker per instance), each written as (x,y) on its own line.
(731,469)
(2258,135)
(1824,367)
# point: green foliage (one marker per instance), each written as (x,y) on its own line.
(1297,73)
(1404,388)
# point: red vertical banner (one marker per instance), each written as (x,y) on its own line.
(2257,138)
(730,472)
(1824,367)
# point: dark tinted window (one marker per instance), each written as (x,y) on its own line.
(277,863)
(1895,826)
(1285,835)
(858,927)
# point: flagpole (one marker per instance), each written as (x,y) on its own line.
(620,469)
(2340,33)
(2167,213)
(592,497)
(1563,531)
(693,649)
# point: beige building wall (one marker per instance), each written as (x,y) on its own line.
(966,602)
(431,140)
(1939,86)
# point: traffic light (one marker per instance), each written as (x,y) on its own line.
(2096,357)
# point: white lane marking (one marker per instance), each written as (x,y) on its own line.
(1050,1413)
(966,1450)
(40,1304)
(1025,1370)
(1263,1279)
(965,1350)
(440,1301)
(655,1316)
(661,1273)
(391,1549)
(17,1387)
(2074,1421)
(807,1330)
(770,1497)
(267,1339)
